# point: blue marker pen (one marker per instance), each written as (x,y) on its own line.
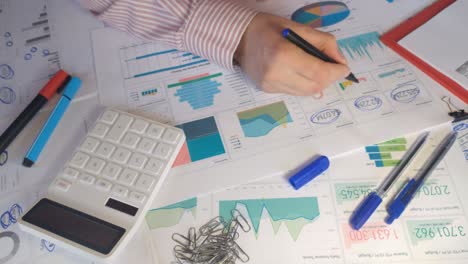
(69,92)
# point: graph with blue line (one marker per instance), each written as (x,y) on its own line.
(361,46)
(155,60)
(198,91)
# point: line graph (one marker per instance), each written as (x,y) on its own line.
(261,120)
(170,215)
(361,46)
(295,213)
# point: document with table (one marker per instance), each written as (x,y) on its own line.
(241,143)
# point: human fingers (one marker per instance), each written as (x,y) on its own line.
(325,42)
(320,74)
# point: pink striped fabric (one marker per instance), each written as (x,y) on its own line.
(209,28)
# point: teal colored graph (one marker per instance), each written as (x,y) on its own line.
(203,138)
(260,121)
(295,213)
(170,215)
(198,92)
(359,46)
(391,73)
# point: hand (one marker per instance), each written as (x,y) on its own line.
(278,66)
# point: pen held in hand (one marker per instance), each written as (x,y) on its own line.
(310,49)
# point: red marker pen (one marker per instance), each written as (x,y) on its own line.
(54,85)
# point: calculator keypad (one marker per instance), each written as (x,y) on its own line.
(122,156)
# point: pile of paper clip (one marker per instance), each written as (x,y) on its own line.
(215,242)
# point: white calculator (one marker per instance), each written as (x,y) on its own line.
(98,200)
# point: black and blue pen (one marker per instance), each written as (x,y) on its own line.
(310,49)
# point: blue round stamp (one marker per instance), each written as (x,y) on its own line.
(7,95)
(406,93)
(6,72)
(368,103)
(7,34)
(45,52)
(27,56)
(326,116)
(9,43)
(33,49)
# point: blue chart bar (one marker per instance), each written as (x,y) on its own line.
(199,92)
(155,54)
(169,68)
(203,138)
(358,46)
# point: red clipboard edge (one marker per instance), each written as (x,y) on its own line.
(392,37)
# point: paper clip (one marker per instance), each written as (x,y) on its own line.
(455,112)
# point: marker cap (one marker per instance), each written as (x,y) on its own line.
(309,172)
(54,84)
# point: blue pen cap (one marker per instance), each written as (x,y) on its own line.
(72,87)
(365,210)
(309,172)
(285,32)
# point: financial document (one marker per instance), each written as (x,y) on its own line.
(235,132)
(311,225)
(28,56)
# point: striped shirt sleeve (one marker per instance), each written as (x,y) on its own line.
(208,28)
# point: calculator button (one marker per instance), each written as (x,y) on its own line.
(95,166)
(128,177)
(119,191)
(130,140)
(79,160)
(153,166)
(109,117)
(111,171)
(146,145)
(121,155)
(137,161)
(137,197)
(70,173)
(162,151)
(90,144)
(99,130)
(171,136)
(118,129)
(103,185)
(155,131)
(86,178)
(105,150)
(144,183)
(62,185)
(139,126)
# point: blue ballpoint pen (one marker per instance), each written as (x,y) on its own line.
(367,207)
(69,92)
(399,204)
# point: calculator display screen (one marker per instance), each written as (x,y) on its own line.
(74,225)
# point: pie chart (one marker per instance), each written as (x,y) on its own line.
(321,14)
